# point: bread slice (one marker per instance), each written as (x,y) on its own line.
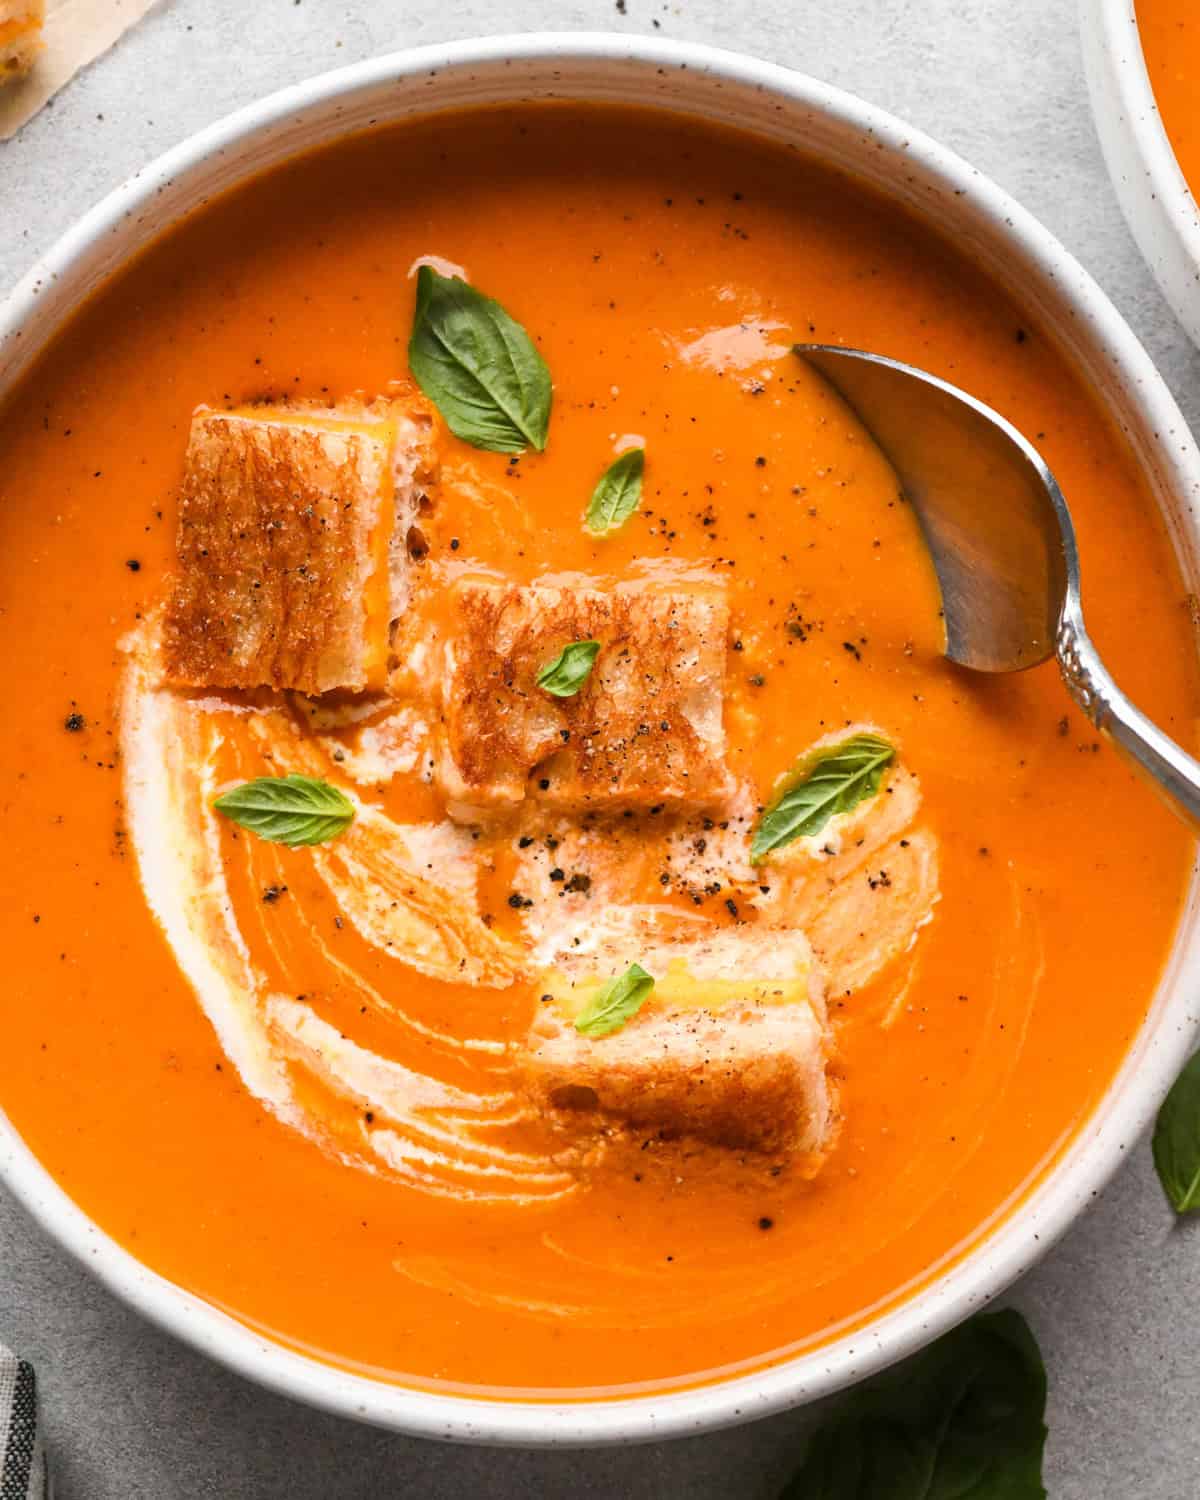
(21,24)
(292,556)
(730,1048)
(646,727)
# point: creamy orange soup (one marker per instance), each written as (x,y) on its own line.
(238,1058)
(1170,32)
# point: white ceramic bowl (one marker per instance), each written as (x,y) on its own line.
(1162,214)
(989,226)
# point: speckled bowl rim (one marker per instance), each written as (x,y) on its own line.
(1158,203)
(1013,245)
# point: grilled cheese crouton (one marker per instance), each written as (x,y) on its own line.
(20,37)
(645,728)
(729,1048)
(292,556)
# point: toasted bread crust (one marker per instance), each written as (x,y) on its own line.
(748,1077)
(645,728)
(746,1073)
(287,573)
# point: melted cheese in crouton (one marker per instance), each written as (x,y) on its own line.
(292,562)
(730,1047)
(645,728)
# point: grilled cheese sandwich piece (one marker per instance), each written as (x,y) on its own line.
(292,543)
(729,1048)
(644,729)
(20,37)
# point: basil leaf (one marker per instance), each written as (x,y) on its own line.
(845,1459)
(831,780)
(617,492)
(964,1420)
(478,366)
(1177,1141)
(570,669)
(616,1003)
(289,810)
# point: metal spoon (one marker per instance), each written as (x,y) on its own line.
(1003,545)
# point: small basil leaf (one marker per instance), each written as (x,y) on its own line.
(289,810)
(831,780)
(964,1420)
(570,669)
(617,492)
(1177,1141)
(616,1003)
(478,366)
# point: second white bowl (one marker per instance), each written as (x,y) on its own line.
(1158,204)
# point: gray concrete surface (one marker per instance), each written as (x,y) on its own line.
(131,1414)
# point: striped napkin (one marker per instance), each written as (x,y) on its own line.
(22,1465)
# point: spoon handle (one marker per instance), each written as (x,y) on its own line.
(1175,773)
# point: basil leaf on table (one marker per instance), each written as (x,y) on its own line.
(478,366)
(831,780)
(1177,1141)
(963,1420)
(616,1003)
(617,493)
(291,810)
(570,669)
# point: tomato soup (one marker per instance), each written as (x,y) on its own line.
(349,1091)
(1170,33)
